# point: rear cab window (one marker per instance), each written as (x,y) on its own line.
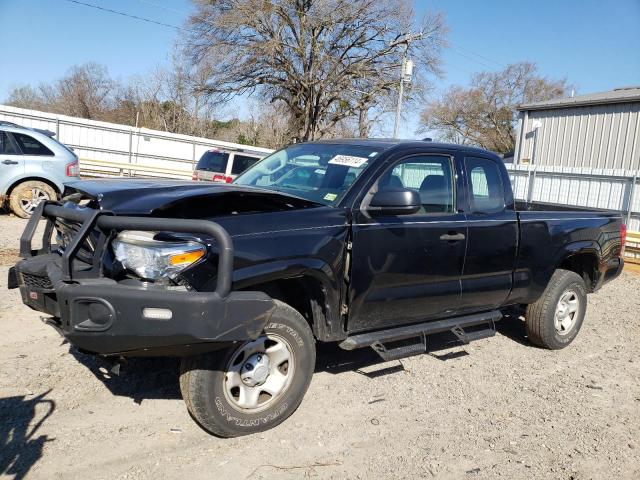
(486,192)
(31,146)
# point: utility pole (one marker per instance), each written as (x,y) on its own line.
(406,71)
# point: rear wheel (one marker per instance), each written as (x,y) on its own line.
(554,320)
(256,385)
(26,196)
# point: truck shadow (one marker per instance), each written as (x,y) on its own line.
(512,327)
(157,378)
(139,378)
(20,419)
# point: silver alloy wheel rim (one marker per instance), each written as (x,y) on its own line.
(259,373)
(566,312)
(29,204)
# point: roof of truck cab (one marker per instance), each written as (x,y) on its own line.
(392,142)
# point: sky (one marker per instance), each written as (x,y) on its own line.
(594,44)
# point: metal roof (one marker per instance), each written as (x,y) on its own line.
(617,95)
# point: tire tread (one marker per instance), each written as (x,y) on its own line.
(538,313)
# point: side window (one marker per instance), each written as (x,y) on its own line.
(429,175)
(242,163)
(6,146)
(30,146)
(486,192)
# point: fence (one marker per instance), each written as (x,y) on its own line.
(113,149)
(608,189)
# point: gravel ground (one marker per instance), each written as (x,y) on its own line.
(496,408)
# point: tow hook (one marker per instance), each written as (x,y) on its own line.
(112,365)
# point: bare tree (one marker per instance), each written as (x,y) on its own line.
(312,56)
(485,113)
(86,91)
(26,96)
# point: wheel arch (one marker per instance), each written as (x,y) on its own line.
(58,188)
(582,258)
(310,291)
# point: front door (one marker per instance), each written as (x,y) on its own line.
(407,268)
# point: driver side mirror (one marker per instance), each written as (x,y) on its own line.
(395,202)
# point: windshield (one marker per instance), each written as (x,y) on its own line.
(321,173)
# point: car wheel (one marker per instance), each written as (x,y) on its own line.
(26,196)
(253,386)
(554,320)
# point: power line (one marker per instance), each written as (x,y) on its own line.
(135,17)
(469,57)
(458,49)
(163,7)
(463,49)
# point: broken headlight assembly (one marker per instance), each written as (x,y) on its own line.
(151,259)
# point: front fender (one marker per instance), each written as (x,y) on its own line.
(319,280)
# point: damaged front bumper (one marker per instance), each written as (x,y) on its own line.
(131,318)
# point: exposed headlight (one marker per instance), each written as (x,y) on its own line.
(154,259)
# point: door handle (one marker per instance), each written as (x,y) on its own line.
(452,237)
(9,162)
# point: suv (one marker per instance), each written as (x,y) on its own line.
(33,167)
(218,166)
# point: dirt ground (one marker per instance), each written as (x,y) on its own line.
(496,408)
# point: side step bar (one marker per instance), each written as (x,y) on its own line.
(456,325)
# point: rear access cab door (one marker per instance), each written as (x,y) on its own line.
(492,229)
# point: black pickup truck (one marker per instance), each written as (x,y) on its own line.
(369,243)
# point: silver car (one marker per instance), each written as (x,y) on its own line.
(33,167)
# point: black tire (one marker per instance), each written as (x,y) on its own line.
(540,318)
(209,401)
(26,192)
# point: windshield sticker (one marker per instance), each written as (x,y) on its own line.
(330,197)
(348,161)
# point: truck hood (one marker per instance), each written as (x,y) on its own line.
(181,199)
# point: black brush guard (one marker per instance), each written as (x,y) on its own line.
(102,316)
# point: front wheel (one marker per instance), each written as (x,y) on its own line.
(554,320)
(253,386)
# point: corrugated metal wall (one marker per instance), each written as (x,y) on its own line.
(598,137)
(579,187)
(121,143)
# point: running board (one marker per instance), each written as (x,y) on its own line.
(455,324)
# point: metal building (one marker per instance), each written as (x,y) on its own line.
(594,131)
